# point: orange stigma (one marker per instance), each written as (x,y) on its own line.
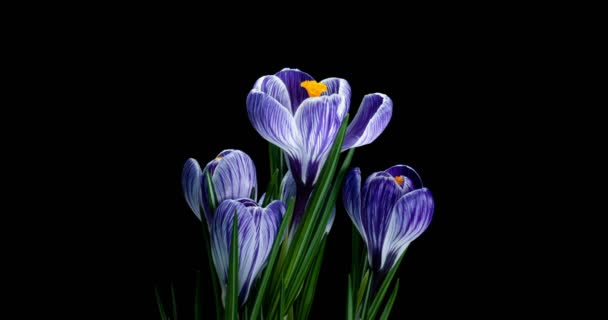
(399,180)
(219,158)
(314,88)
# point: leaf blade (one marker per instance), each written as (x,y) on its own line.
(173,302)
(232,296)
(383,288)
(391,301)
(349,300)
(161,308)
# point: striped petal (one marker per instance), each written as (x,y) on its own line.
(257,228)
(318,122)
(273,121)
(293,78)
(351,197)
(233,175)
(410,217)
(268,221)
(191,185)
(274,87)
(221,229)
(380,193)
(341,87)
(288,187)
(411,179)
(371,119)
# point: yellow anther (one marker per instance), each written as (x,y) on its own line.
(314,88)
(399,180)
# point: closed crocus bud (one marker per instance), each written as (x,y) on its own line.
(391,211)
(257,230)
(232,174)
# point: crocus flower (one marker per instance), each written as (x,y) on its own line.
(232,174)
(301,116)
(257,230)
(392,210)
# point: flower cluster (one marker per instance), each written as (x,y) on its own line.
(303,118)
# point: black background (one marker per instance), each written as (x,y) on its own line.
(178,95)
(491,106)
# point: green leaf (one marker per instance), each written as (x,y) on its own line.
(197,296)
(212,196)
(308,294)
(349,301)
(316,200)
(273,188)
(306,241)
(391,301)
(363,314)
(161,308)
(232,295)
(270,267)
(214,279)
(312,249)
(362,288)
(302,238)
(275,154)
(384,287)
(314,243)
(173,303)
(282,301)
(355,255)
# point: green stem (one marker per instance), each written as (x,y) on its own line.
(367,295)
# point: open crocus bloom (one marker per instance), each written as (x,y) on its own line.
(233,176)
(301,116)
(392,210)
(257,230)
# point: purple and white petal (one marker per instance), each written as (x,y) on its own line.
(221,235)
(257,228)
(341,87)
(351,197)
(318,122)
(268,221)
(235,177)
(191,185)
(210,169)
(274,87)
(288,188)
(411,179)
(371,119)
(380,193)
(273,122)
(410,217)
(293,78)
(211,165)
